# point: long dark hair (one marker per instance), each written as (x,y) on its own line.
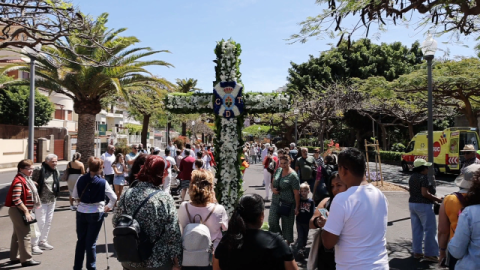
(137,165)
(473,195)
(248,211)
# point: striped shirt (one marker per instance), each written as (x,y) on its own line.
(17,195)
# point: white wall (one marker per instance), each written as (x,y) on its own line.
(12,150)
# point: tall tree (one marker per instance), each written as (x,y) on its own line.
(186,86)
(146,103)
(456,84)
(87,85)
(453,16)
(362,59)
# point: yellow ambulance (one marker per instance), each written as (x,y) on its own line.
(447,145)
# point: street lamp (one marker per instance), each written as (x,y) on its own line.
(32,53)
(429,46)
(295,112)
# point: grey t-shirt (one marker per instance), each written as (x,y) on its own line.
(129,157)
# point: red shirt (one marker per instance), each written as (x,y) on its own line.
(212,159)
(267,161)
(186,168)
(19,193)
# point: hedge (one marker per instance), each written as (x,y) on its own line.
(386,156)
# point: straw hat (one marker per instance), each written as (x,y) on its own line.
(468,148)
(464,181)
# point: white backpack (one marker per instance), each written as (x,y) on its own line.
(196,242)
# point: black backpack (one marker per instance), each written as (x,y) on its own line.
(130,242)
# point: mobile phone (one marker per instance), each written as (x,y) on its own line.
(323,212)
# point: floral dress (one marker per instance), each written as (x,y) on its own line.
(286,185)
(157,219)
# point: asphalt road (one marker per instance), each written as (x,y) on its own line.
(63,238)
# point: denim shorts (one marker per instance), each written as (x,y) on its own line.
(119,180)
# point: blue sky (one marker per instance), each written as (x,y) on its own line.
(190,28)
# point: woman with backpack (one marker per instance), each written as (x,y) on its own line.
(269,167)
(450,211)
(90,191)
(246,246)
(157,216)
(465,244)
(202,210)
(319,257)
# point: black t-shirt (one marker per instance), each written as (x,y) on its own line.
(416,182)
(261,250)
(307,207)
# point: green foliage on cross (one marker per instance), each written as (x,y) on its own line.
(228,132)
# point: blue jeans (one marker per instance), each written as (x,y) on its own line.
(424,229)
(88,227)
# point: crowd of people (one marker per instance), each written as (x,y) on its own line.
(329,193)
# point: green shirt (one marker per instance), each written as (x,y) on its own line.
(306,167)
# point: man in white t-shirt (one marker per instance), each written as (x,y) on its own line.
(108,159)
(173,164)
(357,222)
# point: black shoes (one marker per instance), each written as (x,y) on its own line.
(14,262)
(30,263)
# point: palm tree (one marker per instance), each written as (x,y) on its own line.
(87,84)
(186,86)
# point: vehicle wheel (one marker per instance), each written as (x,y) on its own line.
(405,167)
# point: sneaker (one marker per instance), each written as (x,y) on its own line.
(418,256)
(36,250)
(73,207)
(431,259)
(45,246)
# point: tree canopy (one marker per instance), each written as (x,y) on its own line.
(456,84)
(446,16)
(14,105)
(362,59)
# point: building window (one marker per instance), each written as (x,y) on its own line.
(70,116)
(59,114)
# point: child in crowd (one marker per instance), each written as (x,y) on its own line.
(307,208)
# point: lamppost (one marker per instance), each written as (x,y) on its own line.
(295,112)
(429,46)
(32,53)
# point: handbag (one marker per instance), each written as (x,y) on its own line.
(24,217)
(284,208)
(313,255)
(65,174)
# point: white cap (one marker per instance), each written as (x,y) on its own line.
(156,149)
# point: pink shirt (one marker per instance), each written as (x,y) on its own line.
(217,222)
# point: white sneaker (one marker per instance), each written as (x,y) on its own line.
(73,207)
(36,250)
(45,246)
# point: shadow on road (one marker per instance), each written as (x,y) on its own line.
(400,256)
(390,223)
(111,249)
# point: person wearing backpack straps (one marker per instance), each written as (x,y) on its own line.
(450,210)
(201,214)
(156,217)
(90,191)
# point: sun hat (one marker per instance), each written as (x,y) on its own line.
(464,181)
(421,162)
(156,149)
(468,148)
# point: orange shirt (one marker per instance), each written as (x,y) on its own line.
(452,209)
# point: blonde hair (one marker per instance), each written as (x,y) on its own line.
(305,185)
(201,187)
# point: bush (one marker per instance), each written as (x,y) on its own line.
(386,156)
(398,147)
(180,141)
